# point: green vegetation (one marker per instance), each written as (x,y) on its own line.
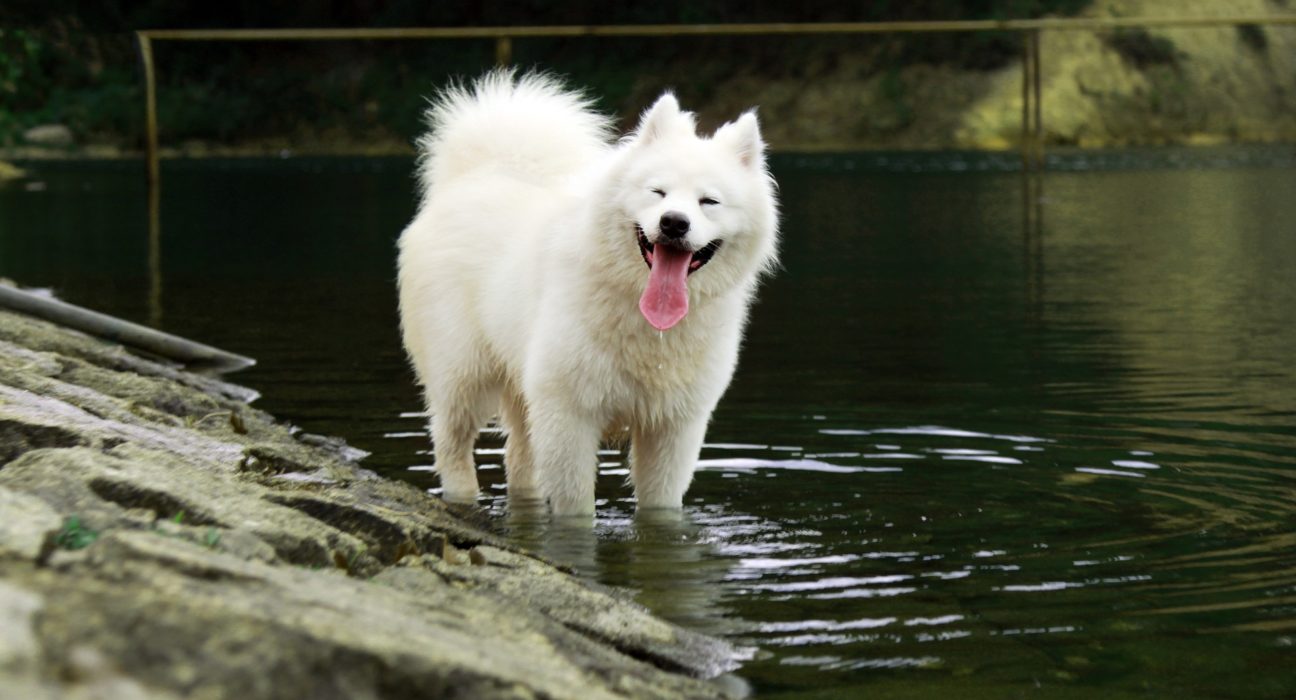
(75,535)
(1253,36)
(893,94)
(1142,50)
(76,64)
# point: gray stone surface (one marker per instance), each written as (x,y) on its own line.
(29,525)
(161,538)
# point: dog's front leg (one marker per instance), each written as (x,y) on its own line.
(662,460)
(565,443)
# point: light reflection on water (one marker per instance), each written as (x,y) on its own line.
(848,585)
(961,455)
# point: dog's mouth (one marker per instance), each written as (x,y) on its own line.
(665,299)
(701,256)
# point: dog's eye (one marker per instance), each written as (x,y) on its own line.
(707,200)
(658,191)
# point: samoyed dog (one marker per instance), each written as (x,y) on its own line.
(576,286)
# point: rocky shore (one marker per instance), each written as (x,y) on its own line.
(161,538)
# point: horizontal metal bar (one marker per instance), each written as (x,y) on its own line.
(626,30)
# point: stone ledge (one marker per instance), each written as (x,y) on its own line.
(160,538)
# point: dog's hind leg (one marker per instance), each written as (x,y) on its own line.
(519,462)
(662,461)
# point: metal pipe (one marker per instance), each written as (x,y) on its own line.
(150,108)
(503,37)
(381,33)
(124,332)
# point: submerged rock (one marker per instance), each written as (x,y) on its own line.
(160,538)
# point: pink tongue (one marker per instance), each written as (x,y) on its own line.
(665,301)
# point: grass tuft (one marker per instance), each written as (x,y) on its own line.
(74,535)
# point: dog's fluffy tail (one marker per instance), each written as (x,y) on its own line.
(531,126)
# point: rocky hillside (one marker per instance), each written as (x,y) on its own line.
(1111,88)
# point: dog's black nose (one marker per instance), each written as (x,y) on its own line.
(674,225)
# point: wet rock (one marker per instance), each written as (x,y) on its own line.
(519,581)
(189,557)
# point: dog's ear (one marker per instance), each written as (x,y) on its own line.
(743,137)
(664,116)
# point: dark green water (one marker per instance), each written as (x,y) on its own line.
(974,447)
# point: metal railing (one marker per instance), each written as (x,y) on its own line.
(1032,143)
(1032,139)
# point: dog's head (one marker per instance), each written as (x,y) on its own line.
(701,210)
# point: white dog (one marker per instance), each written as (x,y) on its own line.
(576,287)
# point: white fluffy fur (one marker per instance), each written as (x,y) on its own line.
(520,278)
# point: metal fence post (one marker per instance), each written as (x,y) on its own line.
(1032,134)
(503,51)
(150,108)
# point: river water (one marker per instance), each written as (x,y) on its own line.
(990,435)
